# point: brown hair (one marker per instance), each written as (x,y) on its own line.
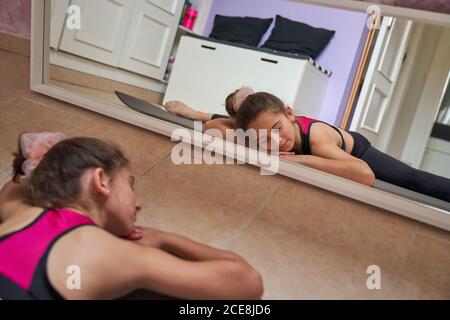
(19,159)
(229,104)
(56,181)
(254,105)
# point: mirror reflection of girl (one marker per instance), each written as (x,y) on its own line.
(213,121)
(319,145)
(322,146)
(70,204)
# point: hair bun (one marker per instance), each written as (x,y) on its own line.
(240,96)
(34,146)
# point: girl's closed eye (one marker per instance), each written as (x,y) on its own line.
(132,181)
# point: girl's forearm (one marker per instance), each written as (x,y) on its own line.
(194,251)
(353,170)
(202,116)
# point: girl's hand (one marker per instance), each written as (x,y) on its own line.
(180,109)
(136,234)
(150,237)
(293,158)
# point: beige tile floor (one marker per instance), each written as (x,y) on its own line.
(307,243)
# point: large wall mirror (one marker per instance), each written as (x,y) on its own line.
(378,69)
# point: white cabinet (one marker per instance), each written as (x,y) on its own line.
(132,35)
(104,25)
(205,72)
(150,36)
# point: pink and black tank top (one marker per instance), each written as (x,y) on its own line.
(305,127)
(24,254)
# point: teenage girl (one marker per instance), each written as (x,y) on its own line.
(317,144)
(213,121)
(331,149)
(65,215)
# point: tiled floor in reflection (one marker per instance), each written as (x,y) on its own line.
(307,243)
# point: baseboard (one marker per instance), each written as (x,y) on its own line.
(15,43)
(89,82)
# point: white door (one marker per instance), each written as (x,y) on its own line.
(382,74)
(58,18)
(429,103)
(150,37)
(437,157)
(104,25)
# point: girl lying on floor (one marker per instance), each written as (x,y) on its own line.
(321,146)
(65,214)
(213,121)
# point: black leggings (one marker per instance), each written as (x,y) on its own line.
(391,170)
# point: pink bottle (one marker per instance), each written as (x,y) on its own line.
(189,17)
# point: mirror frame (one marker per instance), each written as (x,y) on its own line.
(39,83)
(386,10)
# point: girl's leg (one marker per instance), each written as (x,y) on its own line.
(180,109)
(393,171)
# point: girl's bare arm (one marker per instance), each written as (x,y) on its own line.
(112,267)
(183,247)
(183,110)
(352,169)
(329,157)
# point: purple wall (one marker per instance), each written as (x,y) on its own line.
(342,54)
(15,17)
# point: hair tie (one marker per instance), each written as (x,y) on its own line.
(240,96)
(34,146)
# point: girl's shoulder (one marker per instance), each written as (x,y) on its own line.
(19,218)
(12,203)
(305,122)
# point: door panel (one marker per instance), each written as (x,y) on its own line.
(144,50)
(381,78)
(150,38)
(58,18)
(169,6)
(392,56)
(437,157)
(376,108)
(104,25)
